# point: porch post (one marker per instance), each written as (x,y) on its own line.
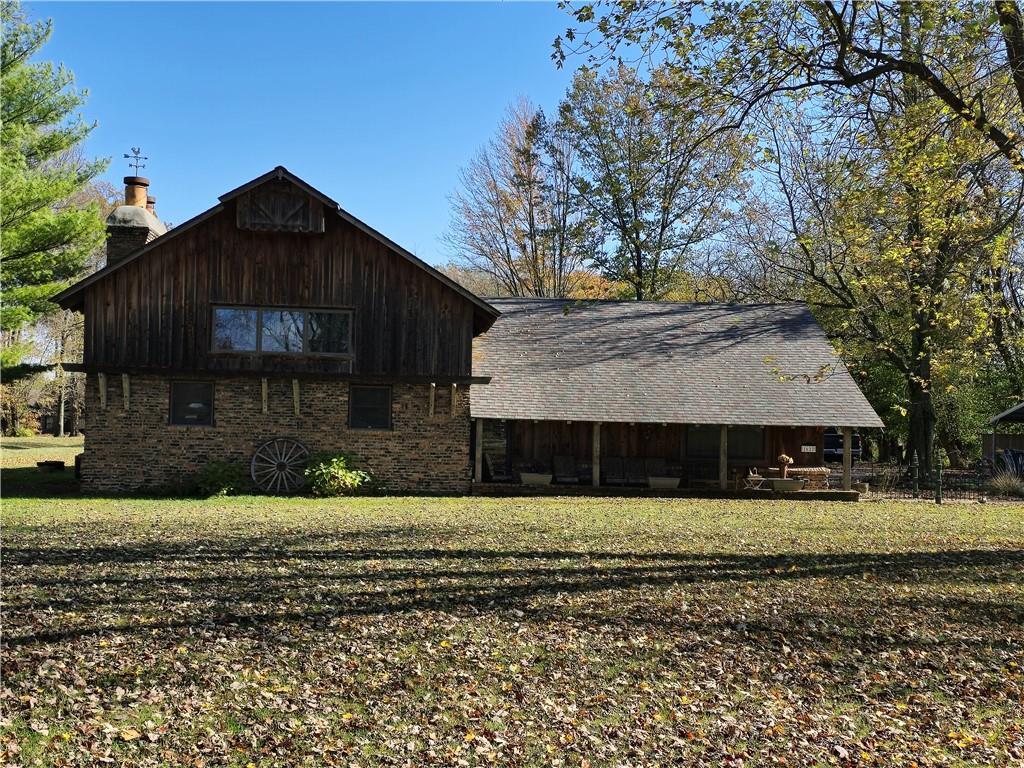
(847,458)
(723,458)
(478,458)
(595,459)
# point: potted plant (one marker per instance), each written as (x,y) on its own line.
(784,463)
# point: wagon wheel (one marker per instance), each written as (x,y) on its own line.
(277,465)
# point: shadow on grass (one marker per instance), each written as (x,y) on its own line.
(33,483)
(250,582)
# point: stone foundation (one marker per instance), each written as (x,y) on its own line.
(134,448)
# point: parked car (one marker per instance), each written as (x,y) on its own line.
(834,445)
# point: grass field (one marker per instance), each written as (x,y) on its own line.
(412,631)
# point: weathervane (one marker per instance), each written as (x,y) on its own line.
(135,159)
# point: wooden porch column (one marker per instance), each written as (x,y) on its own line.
(723,458)
(595,459)
(847,458)
(478,459)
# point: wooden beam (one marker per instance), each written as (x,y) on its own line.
(295,396)
(595,457)
(847,458)
(433,397)
(101,380)
(452,401)
(126,390)
(723,458)
(478,460)
(263,396)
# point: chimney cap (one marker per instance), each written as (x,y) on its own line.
(136,181)
(150,199)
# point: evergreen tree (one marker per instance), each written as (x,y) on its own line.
(46,238)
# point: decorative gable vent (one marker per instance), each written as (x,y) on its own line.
(280,206)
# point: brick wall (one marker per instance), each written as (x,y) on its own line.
(135,448)
(122,241)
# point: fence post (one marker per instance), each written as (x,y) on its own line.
(914,469)
(938,476)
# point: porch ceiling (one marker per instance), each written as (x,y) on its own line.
(654,362)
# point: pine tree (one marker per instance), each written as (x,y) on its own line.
(45,237)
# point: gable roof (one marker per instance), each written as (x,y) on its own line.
(655,362)
(64,298)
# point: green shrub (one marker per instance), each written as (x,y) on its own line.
(221,478)
(1007,483)
(329,474)
(25,432)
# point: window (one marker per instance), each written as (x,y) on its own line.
(192,403)
(328,332)
(702,441)
(234,330)
(746,442)
(282,331)
(369,407)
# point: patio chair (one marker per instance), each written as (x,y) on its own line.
(565,470)
(614,471)
(636,473)
(754,479)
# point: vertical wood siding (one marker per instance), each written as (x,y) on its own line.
(155,312)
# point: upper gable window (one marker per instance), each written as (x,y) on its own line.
(283,330)
(279,331)
(280,206)
(329,332)
(234,329)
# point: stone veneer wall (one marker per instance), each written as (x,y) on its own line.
(136,448)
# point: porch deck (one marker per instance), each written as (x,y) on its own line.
(523,489)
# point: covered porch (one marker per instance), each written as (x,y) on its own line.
(572,456)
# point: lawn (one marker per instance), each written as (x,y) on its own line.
(413,631)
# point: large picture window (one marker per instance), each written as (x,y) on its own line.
(278,331)
(192,403)
(369,407)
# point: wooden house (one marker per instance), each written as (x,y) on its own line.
(274,320)
(276,324)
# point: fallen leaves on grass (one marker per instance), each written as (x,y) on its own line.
(517,632)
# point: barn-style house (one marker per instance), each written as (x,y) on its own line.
(276,324)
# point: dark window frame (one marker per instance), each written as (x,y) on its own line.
(391,403)
(213,403)
(305,352)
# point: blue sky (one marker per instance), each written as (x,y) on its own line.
(377,105)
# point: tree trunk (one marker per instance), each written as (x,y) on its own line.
(60,408)
(922,424)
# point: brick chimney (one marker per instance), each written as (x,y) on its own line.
(132,225)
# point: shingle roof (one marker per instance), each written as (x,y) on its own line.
(557,359)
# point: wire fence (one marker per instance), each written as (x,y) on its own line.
(894,480)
